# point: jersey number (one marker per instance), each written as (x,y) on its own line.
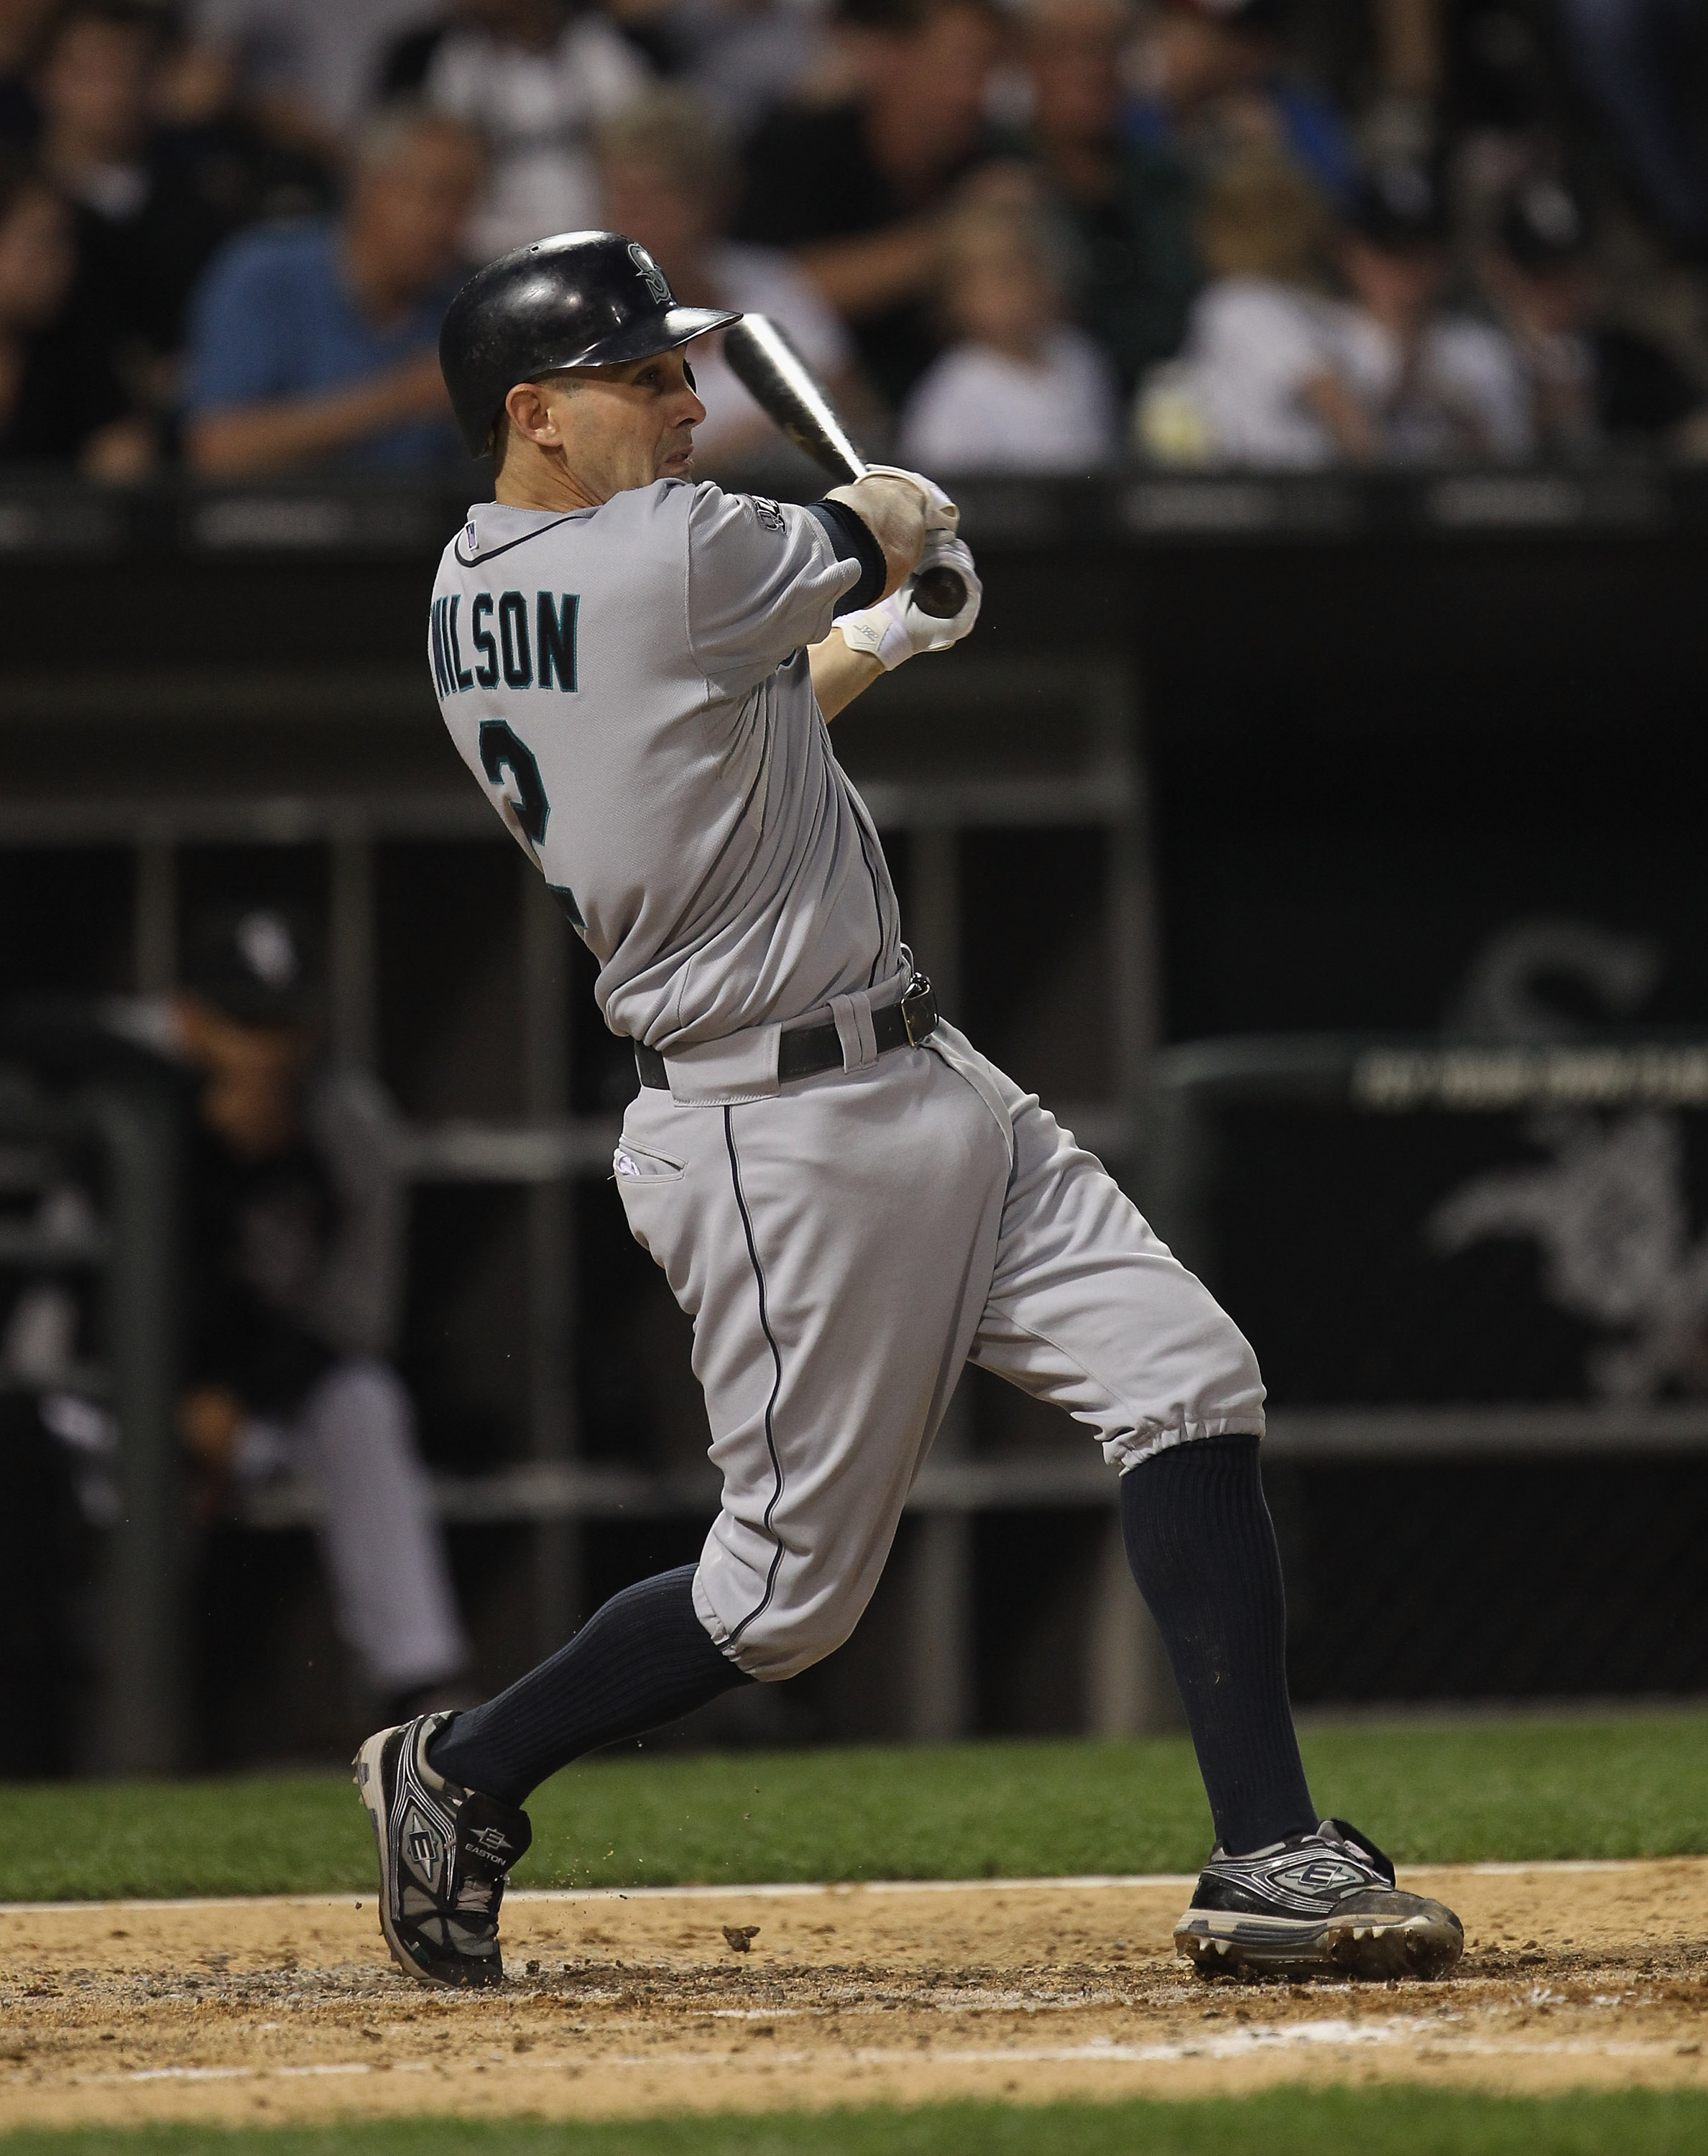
(503,751)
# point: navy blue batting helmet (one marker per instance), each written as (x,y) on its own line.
(581,299)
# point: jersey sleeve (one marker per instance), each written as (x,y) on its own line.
(764,578)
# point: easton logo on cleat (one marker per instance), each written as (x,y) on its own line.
(1322,1875)
(491,1840)
(425,1848)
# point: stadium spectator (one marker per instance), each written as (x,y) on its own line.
(1591,381)
(669,177)
(61,401)
(533,77)
(854,189)
(1214,82)
(1131,204)
(153,201)
(1260,381)
(295,1241)
(306,69)
(1275,373)
(1438,387)
(1019,389)
(743,56)
(319,340)
(20,30)
(1643,63)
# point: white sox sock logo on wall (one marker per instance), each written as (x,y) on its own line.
(656,279)
(1610,1211)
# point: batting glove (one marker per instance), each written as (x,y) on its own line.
(894,629)
(941,513)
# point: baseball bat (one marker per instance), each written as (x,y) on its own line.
(786,389)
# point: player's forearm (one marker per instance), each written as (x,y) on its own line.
(260,438)
(880,269)
(894,513)
(840,675)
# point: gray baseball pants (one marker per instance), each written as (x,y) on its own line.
(843,1244)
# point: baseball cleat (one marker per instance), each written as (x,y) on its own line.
(1322,1904)
(445,1854)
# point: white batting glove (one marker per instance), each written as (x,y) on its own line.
(894,629)
(941,513)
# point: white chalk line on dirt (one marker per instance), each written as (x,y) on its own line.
(790,1890)
(1267,2040)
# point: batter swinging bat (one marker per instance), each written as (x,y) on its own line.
(782,385)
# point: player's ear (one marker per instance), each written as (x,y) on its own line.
(531,414)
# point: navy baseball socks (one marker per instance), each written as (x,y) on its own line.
(642,1659)
(1284,1893)
(444,1791)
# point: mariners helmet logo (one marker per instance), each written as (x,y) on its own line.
(650,271)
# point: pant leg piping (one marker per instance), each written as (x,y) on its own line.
(764,1602)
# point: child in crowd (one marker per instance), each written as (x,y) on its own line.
(1438,388)
(1258,381)
(1593,379)
(1020,389)
(1277,374)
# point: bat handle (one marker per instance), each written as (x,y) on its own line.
(940,592)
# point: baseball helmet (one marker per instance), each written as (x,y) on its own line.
(581,299)
(257,963)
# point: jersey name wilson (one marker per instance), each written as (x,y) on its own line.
(499,644)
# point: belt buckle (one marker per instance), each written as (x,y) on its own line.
(919,1010)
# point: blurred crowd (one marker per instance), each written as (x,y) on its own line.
(1014,235)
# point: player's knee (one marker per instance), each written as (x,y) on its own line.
(782,1642)
(1222,1384)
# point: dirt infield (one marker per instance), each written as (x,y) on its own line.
(270,2010)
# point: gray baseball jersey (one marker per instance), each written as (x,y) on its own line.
(630,686)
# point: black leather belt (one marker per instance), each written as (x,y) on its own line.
(813,1048)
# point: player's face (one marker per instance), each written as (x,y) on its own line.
(252,1095)
(627,426)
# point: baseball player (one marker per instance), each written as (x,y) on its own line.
(848,1199)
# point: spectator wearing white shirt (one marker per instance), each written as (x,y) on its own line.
(533,78)
(1258,381)
(669,178)
(1277,374)
(1438,388)
(746,56)
(1020,389)
(305,67)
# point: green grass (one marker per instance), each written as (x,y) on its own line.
(1458,1792)
(1287,2121)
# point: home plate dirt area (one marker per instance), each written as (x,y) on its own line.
(278,2010)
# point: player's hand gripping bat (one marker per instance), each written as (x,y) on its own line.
(784,387)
